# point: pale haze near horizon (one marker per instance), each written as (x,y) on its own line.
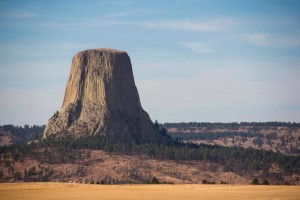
(208,60)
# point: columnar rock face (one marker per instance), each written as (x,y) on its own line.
(101,99)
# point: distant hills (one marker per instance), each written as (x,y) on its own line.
(275,136)
(76,160)
(281,137)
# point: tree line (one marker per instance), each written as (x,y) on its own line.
(68,150)
(230,125)
(22,134)
(212,135)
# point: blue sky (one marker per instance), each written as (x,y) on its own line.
(205,60)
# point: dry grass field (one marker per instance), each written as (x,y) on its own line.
(131,192)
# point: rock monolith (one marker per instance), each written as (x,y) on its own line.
(101,99)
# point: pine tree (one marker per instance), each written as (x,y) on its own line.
(265,182)
(255,181)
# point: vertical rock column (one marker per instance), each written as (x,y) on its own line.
(101,99)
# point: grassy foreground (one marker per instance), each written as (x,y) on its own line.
(131,192)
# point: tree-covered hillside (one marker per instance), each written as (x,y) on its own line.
(276,136)
(21,134)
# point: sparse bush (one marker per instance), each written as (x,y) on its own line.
(17,176)
(167,182)
(287,183)
(224,182)
(265,182)
(154,180)
(31,171)
(255,181)
(207,182)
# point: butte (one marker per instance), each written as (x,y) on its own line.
(101,99)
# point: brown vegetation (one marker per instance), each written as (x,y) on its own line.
(282,139)
(97,166)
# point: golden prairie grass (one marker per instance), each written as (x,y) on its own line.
(74,191)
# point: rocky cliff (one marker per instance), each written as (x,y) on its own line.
(101,99)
